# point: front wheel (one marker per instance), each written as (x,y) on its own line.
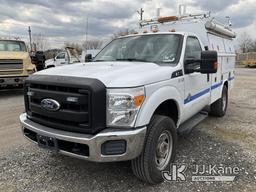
(50,66)
(159,150)
(219,107)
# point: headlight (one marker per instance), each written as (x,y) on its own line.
(123,106)
(31,71)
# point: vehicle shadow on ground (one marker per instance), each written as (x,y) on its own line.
(34,169)
(10,92)
(198,148)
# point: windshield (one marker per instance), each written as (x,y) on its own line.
(157,48)
(12,46)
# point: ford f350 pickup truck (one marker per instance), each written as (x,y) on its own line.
(130,102)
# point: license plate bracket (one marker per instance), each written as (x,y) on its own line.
(46,142)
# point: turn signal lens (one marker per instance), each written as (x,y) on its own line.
(139,100)
(215,65)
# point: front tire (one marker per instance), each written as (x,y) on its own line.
(158,152)
(219,107)
(50,66)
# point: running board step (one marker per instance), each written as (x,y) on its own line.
(186,127)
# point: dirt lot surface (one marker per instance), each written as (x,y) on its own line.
(228,141)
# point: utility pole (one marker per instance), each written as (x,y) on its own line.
(140,12)
(86,34)
(29,32)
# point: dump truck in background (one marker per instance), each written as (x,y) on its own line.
(247,59)
(15,63)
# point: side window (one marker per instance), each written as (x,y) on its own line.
(193,48)
(61,56)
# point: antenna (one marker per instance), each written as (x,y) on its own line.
(229,21)
(158,12)
(182,9)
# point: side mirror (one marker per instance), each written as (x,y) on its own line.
(208,63)
(88,58)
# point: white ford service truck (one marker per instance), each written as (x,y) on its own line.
(67,57)
(135,96)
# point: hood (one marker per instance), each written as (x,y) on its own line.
(115,74)
(49,61)
(13,55)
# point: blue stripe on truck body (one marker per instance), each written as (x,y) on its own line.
(201,93)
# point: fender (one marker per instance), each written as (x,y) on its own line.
(153,99)
(216,90)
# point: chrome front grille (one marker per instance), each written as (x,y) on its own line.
(11,64)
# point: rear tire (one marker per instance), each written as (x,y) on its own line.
(219,107)
(158,152)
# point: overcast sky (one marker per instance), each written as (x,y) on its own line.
(65,20)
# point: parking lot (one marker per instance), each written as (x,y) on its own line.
(226,141)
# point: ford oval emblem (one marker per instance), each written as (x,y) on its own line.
(50,105)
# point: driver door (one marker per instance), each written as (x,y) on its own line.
(60,59)
(197,85)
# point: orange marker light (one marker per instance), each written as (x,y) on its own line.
(139,100)
(215,65)
(172,30)
(154,30)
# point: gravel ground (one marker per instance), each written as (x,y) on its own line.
(228,141)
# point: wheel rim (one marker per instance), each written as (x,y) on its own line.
(224,101)
(163,150)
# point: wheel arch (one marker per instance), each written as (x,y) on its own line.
(168,108)
(225,84)
(165,101)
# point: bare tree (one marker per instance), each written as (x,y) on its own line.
(252,47)
(92,44)
(246,43)
(77,46)
(39,42)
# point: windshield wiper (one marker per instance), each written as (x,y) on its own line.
(132,59)
(126,59)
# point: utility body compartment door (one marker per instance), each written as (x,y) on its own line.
(226,64)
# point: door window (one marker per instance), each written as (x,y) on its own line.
(193,48)
(61,56)
(193,51)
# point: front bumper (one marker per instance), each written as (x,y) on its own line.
(134,140)
(14,81)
